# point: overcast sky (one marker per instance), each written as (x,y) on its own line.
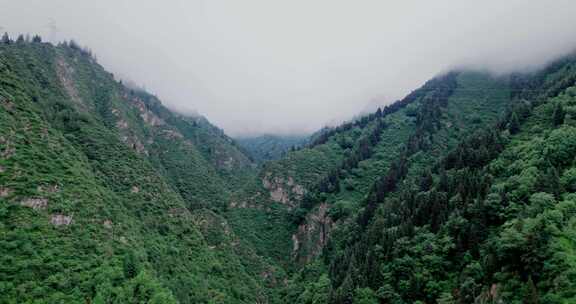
(254,66)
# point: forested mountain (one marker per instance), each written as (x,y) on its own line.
(270,147)
(450,195)
(462,192)
(108,197)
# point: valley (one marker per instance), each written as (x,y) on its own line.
(461,192)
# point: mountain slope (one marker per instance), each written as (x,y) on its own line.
(469,226)
(462,192)
(103,191)
(270,147)
(340,166)
(397,207)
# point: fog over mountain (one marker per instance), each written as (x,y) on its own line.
(261,66)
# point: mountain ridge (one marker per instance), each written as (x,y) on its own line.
(461,192)
(131,156)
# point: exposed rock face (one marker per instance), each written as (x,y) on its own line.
(4,192)
(299,191)
(107,224)
(35,203)
(172,134)
(242,204)
(122,124)
(135,189)
(48,188)
(128,138)
(61,220)
(146,115)
(2,169)
(491,295)
(7,104)
(295,243)
(7,150)
(228,163)
(283,190)
(280,195)
(66,75)
(312,235)
(134,143)
(151,118)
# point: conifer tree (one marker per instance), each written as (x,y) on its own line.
(531,292)
(6,39)
(426,181)
(558,115)
(514,124)
(131,268)
(443,183)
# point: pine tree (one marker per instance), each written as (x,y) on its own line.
(514,124)
(531,296)
(558,115)
(426,181)
(6,39)
(443,183)
(131,267)
(73,45)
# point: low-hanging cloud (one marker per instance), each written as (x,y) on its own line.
(277,66)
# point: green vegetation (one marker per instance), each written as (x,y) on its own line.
(271,147)
(485,219)
(462,192)
(96,201)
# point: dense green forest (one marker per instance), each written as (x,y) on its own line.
(270,147)
(461,192)
(108,197)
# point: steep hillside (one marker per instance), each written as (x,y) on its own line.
(486,219)
(334,173)
(462,192)
(397,206)
(104,193)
